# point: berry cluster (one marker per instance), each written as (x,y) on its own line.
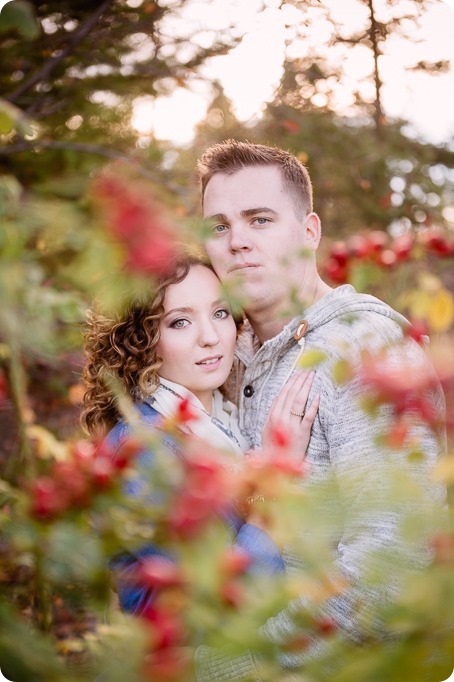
(377,247)
(135,220)
(72,483)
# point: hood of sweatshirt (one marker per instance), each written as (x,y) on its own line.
(343,303)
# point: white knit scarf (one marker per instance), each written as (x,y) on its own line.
(220,428)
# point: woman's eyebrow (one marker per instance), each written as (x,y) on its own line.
(176,310)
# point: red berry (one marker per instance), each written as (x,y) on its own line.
(359,246)
(378,240)
(387,258)
(185,411)
(156,571)
(73,482)
(339,252)
(3,388)
(280,436)
(166,628)
(102,473)
(235,561)
(47,500)
(325,626)
(232,594)
(417,330)
(335,271)
(402,246)
(129,449)
(437,243)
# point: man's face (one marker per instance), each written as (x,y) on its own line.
(256,239)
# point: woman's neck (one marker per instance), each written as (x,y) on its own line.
(205,398)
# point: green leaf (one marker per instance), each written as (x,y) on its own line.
(6,122)
(11,117)
(342,372)
(19,15)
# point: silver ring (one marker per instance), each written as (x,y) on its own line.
(297,414)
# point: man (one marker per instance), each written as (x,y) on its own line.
(263,239)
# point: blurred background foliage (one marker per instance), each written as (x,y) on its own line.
(69,76)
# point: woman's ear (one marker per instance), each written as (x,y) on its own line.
(313,229)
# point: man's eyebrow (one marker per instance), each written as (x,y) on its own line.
(245,213)
(261,209)
(176,310)
(217,216)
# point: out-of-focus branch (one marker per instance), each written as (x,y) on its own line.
(87,148)
(374,34)
(76,38)
(84,148)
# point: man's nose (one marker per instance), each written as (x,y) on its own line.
(239,239)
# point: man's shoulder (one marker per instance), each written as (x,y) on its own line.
(354,317)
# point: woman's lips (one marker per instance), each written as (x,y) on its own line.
(211,362)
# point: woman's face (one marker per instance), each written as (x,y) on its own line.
(197,334)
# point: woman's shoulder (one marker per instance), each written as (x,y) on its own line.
(123,429)
(149,417)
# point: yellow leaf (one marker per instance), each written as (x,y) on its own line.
(342,372)
(47,446)
(419,304)
(441,312)
(311,358)
(429,282)
(445,469)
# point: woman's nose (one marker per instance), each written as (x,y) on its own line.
(208,335)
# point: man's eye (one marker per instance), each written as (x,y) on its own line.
(179,324)
(261,221)
(219,228)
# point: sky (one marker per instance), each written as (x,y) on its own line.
(251,72)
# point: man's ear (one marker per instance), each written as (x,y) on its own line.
(313,228)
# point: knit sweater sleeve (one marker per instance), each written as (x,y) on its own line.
(380,489)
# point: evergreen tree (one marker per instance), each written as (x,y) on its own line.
(78,71)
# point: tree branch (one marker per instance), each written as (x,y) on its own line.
(76,38)
(87,148)
(373,34)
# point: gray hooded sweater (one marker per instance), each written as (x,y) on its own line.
(345,457)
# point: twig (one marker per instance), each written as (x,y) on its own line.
(83,147)
(76,38)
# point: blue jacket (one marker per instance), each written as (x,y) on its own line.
(264,554)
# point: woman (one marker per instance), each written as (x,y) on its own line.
(180,346)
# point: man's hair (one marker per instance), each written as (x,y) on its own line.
(231,156)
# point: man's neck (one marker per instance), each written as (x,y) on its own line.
(268,322)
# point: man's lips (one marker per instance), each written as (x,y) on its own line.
(211,360)
(243,266)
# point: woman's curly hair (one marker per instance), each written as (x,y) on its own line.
(123,348)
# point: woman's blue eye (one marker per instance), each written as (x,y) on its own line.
(179,324)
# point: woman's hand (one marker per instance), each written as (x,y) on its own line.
(290,417)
